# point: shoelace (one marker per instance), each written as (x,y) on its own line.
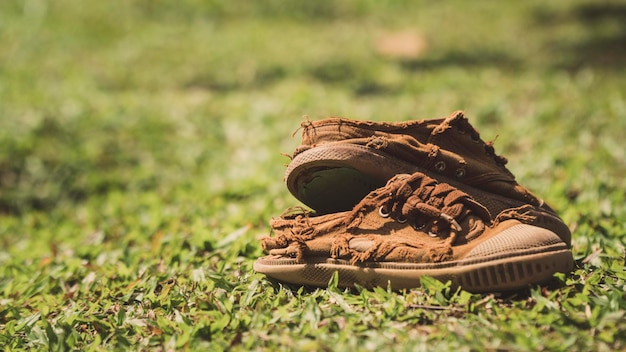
(416,198)
(423,201)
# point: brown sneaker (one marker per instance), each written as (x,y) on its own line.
(415,226)
(341,160)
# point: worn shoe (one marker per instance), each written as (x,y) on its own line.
(340,161)
(416,226)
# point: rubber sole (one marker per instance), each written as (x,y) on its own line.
(488,274)
(317,177)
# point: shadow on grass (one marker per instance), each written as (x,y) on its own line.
(84,158)
(358,77)
(603,47)
(221,82)
(465,59)
(522,294)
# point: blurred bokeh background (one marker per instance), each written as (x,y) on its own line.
(148,95)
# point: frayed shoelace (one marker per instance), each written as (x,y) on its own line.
(421,200)
(433,208)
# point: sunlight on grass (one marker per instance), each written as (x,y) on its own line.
(140,161)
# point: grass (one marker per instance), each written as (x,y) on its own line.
(140,160)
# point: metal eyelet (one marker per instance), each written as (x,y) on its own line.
(432,234)
(475,138)
(417,227)
(453,223)
(440,166)
(459,173)
(383,212)
(402,219)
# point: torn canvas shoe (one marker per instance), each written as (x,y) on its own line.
(415,226)
(340,161)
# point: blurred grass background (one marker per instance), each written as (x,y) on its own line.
(138,95)
(142,133)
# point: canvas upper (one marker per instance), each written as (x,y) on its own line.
(415,226)
(340,160)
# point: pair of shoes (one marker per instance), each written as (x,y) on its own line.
(393,202)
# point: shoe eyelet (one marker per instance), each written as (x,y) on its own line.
(440,166)
(383,212)
(459,173)
(432,234)
(475,138)
(417,227)
(402,219)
